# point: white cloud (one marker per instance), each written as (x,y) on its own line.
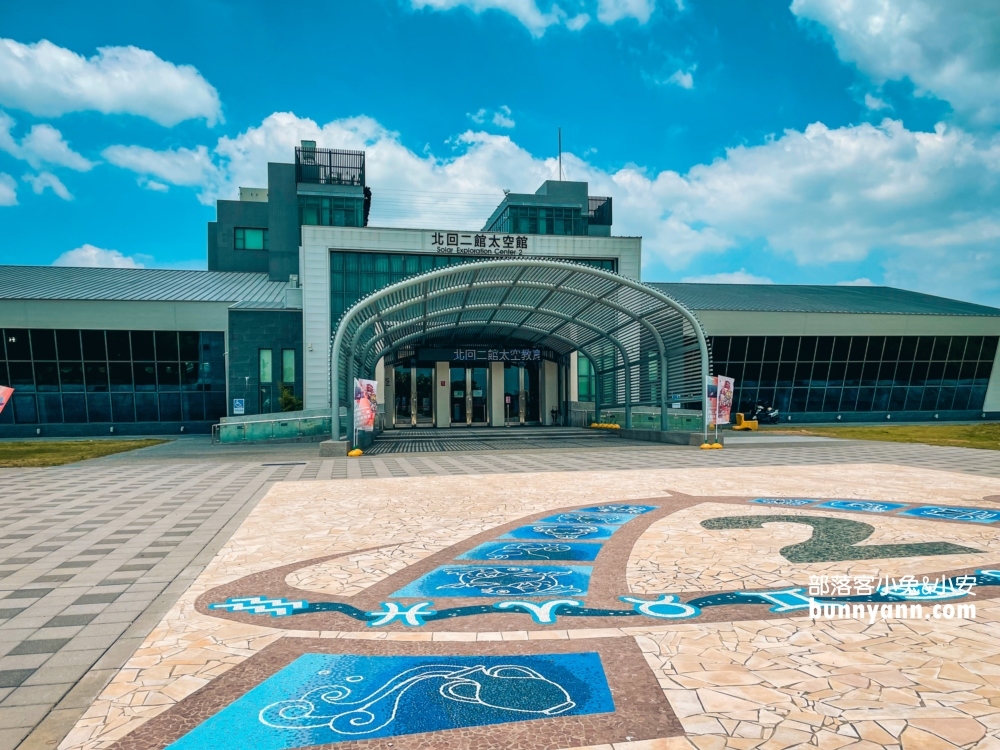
(478,117)
(42,145)
(948,49)
(47,80)
(863,281)
(612,11)
(923,204)
(682,78)
(502,119)
(525,11)
(734,277)
(45,145)
(8,190)
(44,180)
(874,103)
(538,21)
(154,185)
(181,166)
(96,257)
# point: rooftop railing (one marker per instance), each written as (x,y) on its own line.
(599,210)
(324,166)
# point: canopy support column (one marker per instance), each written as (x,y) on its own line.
(628,396)
(664,418)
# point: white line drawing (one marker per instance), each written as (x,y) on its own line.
(506,687)
(566,531)
(527,550)
(511,581)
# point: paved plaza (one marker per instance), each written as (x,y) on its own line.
(598,594)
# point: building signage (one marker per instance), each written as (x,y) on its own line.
(459,243)
(479,354)
(238,407)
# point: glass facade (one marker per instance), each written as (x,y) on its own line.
(540,220)
(74,376)
(585,379)
(331,211)
(847,374)
(354,275)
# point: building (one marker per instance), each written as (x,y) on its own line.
(539,316)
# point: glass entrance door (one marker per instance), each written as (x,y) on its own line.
(513,395)
(423,395)
(403,414)
(529,383)
(478,395)
(458,396)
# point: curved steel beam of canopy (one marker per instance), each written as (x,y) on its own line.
(605,304)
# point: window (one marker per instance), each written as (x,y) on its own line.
(264,361)
(585,379)
(76,377)
(857,374)
(332,211)
(287,365)
(250,239)
(353,275)
(540,220)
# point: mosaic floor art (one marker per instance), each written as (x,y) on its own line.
(846,606)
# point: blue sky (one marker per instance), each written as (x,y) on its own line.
(803,141)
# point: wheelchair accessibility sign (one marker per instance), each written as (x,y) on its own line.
(238,408)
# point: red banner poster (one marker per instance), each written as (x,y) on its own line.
(5,394)
(724,399)
(365,404)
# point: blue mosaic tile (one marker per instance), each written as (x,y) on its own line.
(563,532)
(518,551)
(583,516)
(866,506)
(632,510)
(949,513)
(498,580)
(793,501)
(331,698)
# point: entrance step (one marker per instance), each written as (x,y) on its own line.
(421,440)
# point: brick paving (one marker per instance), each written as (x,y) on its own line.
(93,555)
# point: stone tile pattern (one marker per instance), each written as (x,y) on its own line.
(901,685)
(304,520)
(84,552)
(677,554)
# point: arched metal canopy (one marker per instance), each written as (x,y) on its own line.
(646,348)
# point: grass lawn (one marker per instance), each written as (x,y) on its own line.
(961,435)
(55,453)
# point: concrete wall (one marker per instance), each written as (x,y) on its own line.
(550,390)
(442,406)
(375,239)
(251,330)
(315,280)
(497,405)
(222,254)
(283,221)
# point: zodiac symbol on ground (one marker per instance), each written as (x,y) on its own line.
(505,687)
(507,581)
(589,518)
(632,510)
(565,532)
(527,550)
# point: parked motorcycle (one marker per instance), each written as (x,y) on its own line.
(764,414)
